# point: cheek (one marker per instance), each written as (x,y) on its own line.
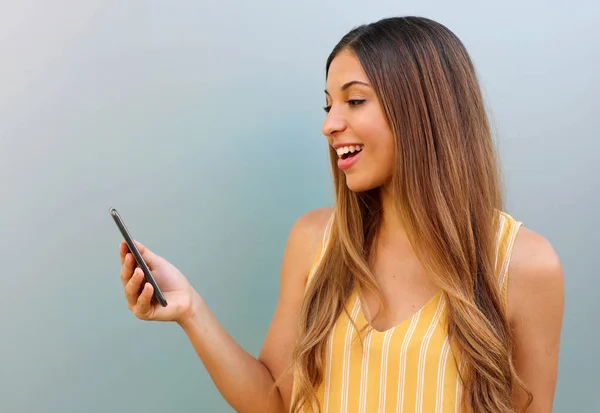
(382,146)
(379,142)
(384,159)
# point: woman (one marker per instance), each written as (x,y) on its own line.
(415,292)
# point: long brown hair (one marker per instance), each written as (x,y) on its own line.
(447,191)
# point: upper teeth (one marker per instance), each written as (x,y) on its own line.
(345,149)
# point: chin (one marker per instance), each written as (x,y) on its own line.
(358,184)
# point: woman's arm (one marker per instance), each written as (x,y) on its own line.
(245,381)
(535,310)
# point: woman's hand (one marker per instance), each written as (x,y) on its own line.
(175,287)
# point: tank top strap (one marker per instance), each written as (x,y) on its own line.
(507,229)
(322,249)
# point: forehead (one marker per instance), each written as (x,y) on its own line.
(344,68)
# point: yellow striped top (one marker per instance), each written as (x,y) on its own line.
(408,368)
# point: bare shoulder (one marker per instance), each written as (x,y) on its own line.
(306,236)
(533,249)
(535,311)
(312,224)
(535,272)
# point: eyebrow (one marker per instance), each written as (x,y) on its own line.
(351,83)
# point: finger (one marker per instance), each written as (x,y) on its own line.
(132,289)
(143,307)
(123,250)
(127,268)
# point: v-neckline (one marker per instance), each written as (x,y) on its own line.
(362,314)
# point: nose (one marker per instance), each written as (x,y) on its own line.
(333,124)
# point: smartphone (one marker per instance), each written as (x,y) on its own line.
(138,256)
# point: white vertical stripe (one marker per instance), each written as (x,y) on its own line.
(329,355)
(329,352)
(439,403)
(423,354)
(364,375)
(458,401)
(402,362)
(498,237)
(384,368)
(347,351)
(507,254)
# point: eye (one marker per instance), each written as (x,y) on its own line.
(355,102)
(351,102)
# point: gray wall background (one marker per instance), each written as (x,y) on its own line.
(200,122)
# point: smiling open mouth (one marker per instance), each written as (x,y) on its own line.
(346,152)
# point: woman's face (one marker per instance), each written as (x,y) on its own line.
(356,125)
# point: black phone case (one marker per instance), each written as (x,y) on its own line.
(138,256)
